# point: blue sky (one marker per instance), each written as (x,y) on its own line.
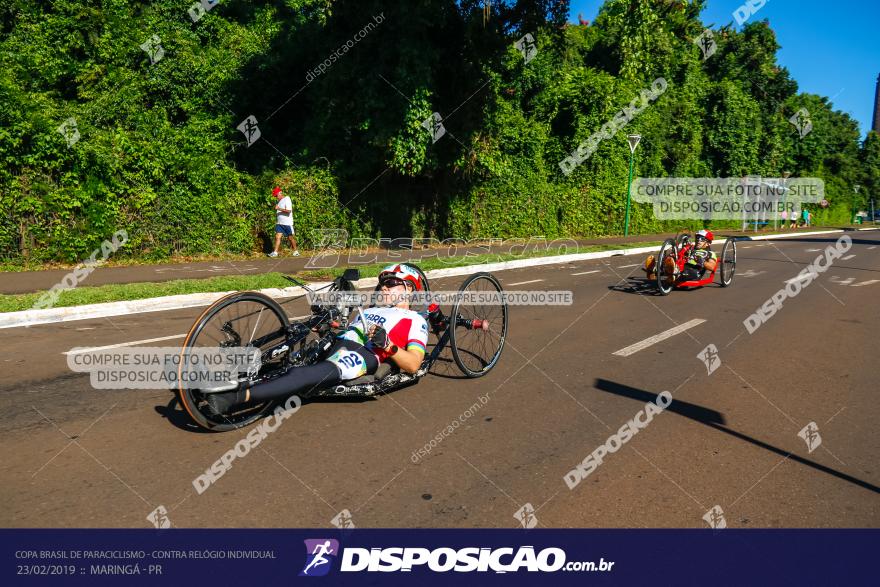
(831,48)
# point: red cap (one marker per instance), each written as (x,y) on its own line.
(276,191)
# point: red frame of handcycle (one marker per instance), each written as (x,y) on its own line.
(680,262)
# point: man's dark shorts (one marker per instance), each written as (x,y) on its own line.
(284,229)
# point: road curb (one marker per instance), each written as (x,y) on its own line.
(92,311)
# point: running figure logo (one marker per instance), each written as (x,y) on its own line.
(715,518)
(710,358)
(526,516)
(810,435)
(526,45)
(802,122)
(434,125)
(706,43)
(159,517)
(343,520)
(320,553)
(250,129)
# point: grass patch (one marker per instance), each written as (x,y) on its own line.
(137,291)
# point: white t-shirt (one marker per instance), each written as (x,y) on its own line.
(284,219)
(407,329)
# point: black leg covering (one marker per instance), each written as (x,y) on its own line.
(303,380)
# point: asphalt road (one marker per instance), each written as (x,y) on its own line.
(73,456)
(394,251)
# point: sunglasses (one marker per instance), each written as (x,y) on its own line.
(391,281)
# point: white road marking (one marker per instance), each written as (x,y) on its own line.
(524,282)
(838,280)
(813,250)
(634,348)
(798,278)
(847,258)
(121,344)
(587,272)
(869,282)
(628,266)
(872,247)
(145,341)
(750,273)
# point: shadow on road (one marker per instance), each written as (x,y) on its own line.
(647,287)
(715,420)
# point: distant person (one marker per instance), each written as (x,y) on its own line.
(794,219)
(810,219)
(806,215)
(283,222)
(784,216)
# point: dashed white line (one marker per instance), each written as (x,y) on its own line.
(78,351)
(524,282)
(587,272)
(872,247)
(121,344)
(847,258)
(634,348)
(628,266)
(869,282)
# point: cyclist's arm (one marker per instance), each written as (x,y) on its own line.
(409,360)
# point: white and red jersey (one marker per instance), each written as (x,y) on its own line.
(405,328)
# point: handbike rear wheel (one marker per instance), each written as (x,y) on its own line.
(665,267)
(478,331)
(234,321)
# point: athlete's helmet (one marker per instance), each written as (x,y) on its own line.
(401,274)
(704,234)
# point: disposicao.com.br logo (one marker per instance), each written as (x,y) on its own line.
(320,554)
(442,560)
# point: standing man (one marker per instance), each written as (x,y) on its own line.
(283,222)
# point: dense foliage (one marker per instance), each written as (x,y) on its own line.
(158,153)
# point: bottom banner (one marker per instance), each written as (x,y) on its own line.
(436,557)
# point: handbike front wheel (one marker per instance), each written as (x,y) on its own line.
(728,262)
(478,330)
(237,320)
(666,266)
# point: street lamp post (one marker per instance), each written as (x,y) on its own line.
(856,187)
(633,141)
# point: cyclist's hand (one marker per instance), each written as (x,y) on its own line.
(379,337)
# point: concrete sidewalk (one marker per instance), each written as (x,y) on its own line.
(18,282)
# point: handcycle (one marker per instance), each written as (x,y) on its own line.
(673,256)
(475,333)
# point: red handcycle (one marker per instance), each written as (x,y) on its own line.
(673,256)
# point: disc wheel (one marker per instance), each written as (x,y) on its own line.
(728,262)
(237,320)
(666,265)
(478,331)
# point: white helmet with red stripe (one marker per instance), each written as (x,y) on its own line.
(401,273)
(706,234)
